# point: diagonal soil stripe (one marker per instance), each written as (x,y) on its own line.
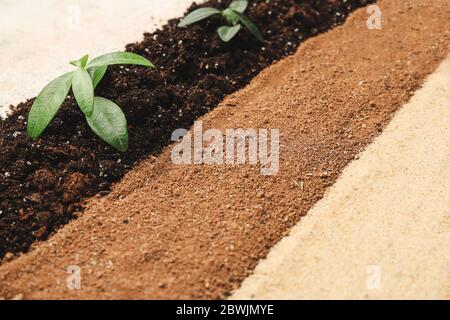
(383,230)
(172,231)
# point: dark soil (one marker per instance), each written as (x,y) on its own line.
(43,183)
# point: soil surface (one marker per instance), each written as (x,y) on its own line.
(169,231)
(43,183)
(382,231)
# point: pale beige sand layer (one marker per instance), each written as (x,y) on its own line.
(383,230)
(38,38)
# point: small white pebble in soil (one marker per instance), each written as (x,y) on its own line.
(180,42)
(7,174)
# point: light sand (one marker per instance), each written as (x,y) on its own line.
(39,38)
(383,231)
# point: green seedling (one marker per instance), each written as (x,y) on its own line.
(234,15)
(103,116)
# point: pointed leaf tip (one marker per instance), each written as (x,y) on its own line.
(47,104)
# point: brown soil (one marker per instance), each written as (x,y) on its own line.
(43,184)
(170,231)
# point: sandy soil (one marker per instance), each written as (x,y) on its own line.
(172,231)
(43,52)
(383,230)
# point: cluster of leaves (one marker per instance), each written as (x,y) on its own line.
(103,116)
(234,15)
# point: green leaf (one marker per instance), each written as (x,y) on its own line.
(81,63)
(83,91)
(198,15)
(227,33)
(250,26)
(47,104)
(239,5)
(97,74)
(120,58)
(109,123)
(231,16)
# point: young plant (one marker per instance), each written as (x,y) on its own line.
(103,116)
(234,15)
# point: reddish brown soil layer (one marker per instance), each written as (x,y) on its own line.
(43,183)
(170,231)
